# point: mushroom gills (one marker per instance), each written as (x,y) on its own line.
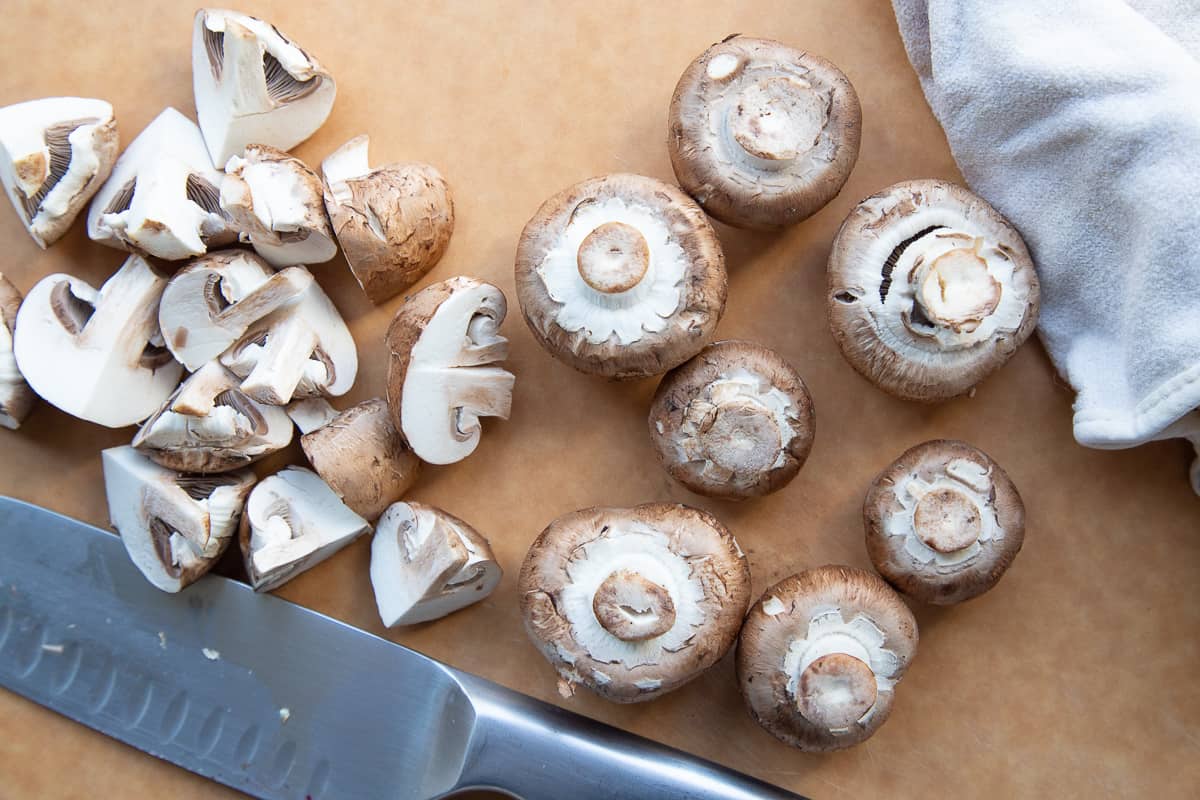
(58,145)
(890,264)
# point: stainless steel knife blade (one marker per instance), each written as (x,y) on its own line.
(282,702)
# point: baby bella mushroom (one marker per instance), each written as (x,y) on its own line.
(735,421)
(929,290)
(54,154)
(393,222)
(761,134)
(443,343)
(426,564)
(820,654)
(16,398)
(621,276)
(633,602)
(944,522)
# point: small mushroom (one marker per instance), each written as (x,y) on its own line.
(761,134)
(293,522)
(393,222)
(54,154)
(358,452)
(254,85)
(944,522)
(426,564)
(443,342)
(16,398)
(277,204)
(820,654)
(930,290)
(97,355)
(621,276)
(175,527)
(633,602)
(209,425)
(735,421)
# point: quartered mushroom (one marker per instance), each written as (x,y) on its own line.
(278,206)
(54,154)
(16,398)
(393,222)
(293,522)
(761,134)
(633,602)
(97,355)
(930,290)
(209,425)
(162,198)
(621,276)
(254,85)
(444,342)
(944,522)
(426,564)
(735,421)
(820,654)
(358,452)
(175,527)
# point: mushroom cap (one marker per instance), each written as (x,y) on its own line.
(641,233)
(943,522)
(672,572)
(810,650)
(16,398)
(930,290)
(761,134)
(735,421)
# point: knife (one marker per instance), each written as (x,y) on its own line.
(279,701)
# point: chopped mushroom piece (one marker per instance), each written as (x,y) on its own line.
(293,522)
(944,522)
(930,290)
(621,276)
(761,134)
(735,421)
(97,355)
(820,654)
(426,564)
(277,204)
(209,425)
(16,398)
(175,527)
(54,154)
(358,452)
(254,85)
(440,382)
(633,602)
(393,222)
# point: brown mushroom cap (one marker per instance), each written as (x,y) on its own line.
(633,602)
(943,522)
(735,421)
(621,276)
(930,290)
(761,134)
(819,656)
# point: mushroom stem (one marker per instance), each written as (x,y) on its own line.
(957,289)
(743,437)
(774,122)
(632,608)
(836,690)
(613,258)
(282,363)
(947,520)
(311,413)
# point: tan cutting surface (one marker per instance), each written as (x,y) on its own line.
(1075,677)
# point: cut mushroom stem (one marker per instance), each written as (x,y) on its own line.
(311,413)
(16,398)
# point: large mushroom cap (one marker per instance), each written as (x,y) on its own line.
(16,398)
(633,602)
(735,421)
(943,522)
(820,654)
(930,290)
(621,276)
(761,134)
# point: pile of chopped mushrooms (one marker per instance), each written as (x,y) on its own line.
(622,276)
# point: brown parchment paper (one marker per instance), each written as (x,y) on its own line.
(1076,677)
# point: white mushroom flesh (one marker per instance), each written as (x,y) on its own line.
(12,384)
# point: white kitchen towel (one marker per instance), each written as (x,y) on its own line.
(1080,121)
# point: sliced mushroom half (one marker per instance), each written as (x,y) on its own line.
(930,290)
(621,276)
(16,398)
(820,655)
(761,134)
(633,602)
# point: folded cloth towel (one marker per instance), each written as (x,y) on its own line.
(1080,121)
